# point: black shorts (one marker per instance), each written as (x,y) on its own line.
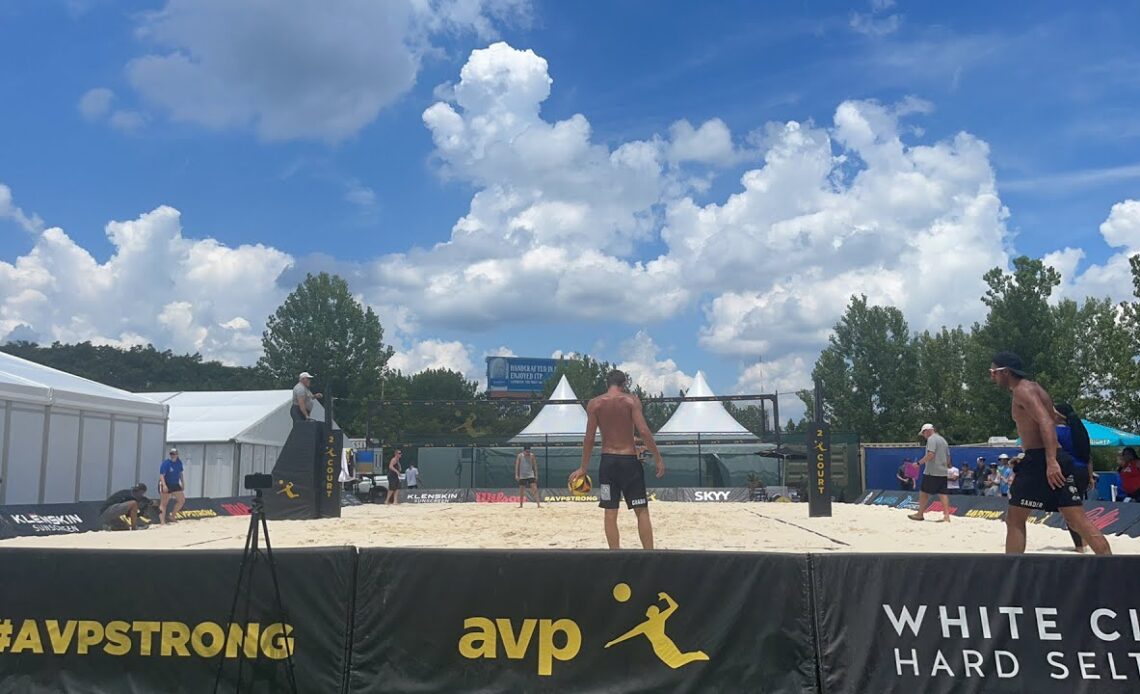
(171,488)
(1082,478)
(527,481)
(618,476)
(933,484)
(393,481)
(1030,488)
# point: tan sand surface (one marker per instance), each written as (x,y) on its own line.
(772,527)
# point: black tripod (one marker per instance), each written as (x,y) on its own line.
(249,560)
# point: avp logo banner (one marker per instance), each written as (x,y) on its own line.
(582,621)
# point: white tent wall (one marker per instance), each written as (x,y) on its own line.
(60,455)
(64,438)
(61,484)
(95,457)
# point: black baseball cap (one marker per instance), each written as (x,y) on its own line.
(1010,362)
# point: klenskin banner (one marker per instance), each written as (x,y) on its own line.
(585,621)
(978,623)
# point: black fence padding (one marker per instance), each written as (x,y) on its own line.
(535,621)
(298,475)
(977,623)
(150,621)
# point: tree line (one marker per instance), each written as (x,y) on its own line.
(321,328)
(882,381)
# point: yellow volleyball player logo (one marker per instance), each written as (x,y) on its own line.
(287,490)
(653,628)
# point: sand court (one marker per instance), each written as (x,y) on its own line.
(746,527)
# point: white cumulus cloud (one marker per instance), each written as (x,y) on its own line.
(193,295)
(434,354)
(96,103)
(9,210)
(300,69)
(641,360)
(1113,278)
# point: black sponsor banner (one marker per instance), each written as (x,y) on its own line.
(987,507)
(819,459)
(99,621)
(584,621)
(1111,518)
(894,499)
(63,519)
(435,496)
(977,623)
(729,494)
(868,496)
(48,519)
(556,495)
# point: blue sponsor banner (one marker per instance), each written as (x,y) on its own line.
(518,374)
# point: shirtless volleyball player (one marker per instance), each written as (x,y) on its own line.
(617,413)
(1044,478)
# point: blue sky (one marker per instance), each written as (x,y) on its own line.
(289,139)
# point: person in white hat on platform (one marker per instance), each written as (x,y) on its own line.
(302,408)
(937,462)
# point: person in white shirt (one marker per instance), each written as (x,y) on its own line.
(953,475)
(412,476)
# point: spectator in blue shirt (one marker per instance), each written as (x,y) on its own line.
(171,482)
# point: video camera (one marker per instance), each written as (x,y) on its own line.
(258,480)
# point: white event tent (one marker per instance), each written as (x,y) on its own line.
(556,423)
(706,418)
(222,436)
(64,438)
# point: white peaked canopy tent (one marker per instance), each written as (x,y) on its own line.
(64,438)
(559,423)
(707,418)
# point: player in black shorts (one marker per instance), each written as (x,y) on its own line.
(617,414)
(621,476)
(1031,488)
(1044,479)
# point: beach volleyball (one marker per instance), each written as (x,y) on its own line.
(580,485)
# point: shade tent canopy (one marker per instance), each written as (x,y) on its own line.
(561,422)
(707,418)
(1102,436)
(26,381)
(1108,437)
(242,416)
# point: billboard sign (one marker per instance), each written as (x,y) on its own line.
(518,374)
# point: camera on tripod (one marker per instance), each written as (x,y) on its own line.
(258,480)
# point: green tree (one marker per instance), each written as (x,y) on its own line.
(868,372)
(322,329)
(587,376)
(940,392)
(1122,377)
(1019,320)
(141,369)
